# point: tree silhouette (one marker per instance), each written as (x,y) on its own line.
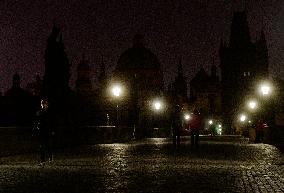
(57,68)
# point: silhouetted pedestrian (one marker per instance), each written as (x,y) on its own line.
(195,126)
(259,131)
(45,131)
(177,126)
(212,129)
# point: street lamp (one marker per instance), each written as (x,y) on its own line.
(186,117)
(243,117)
(219,129)
(157,105)
(116,91)
(265,89)
(210,122)
(268,113)
(252,104)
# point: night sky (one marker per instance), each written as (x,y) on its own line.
(190,30)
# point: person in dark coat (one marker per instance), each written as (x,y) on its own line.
(45,131)
(195,125)
(259,129)
(177,126)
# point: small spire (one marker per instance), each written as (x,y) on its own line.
(262,36)
(55,28)
(180,70)
(262,40)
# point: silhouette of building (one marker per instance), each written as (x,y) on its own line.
(139,70)
(88,107)
(178,89)
(18,106)
(205,93)
(138,65)
(242,63)
(35,87)
(102,77)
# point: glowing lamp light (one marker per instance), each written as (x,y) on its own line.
(186,116)
(210,122)
(219,125)
(220,131)
(252,104)
(265,90)
(116,91)
(157,105)
(243,118)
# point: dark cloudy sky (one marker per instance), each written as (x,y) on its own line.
(172,29)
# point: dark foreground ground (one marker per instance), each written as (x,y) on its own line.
(151,165)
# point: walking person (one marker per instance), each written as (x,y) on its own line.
(45,131)
(177,126)
(195,126)
(259,131)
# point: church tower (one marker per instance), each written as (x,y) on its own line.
(242,63)
(139,70)
(179,87)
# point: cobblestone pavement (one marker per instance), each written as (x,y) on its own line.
(151,165)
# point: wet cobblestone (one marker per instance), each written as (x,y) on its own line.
(150,165)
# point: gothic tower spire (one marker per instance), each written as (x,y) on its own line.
(240,35)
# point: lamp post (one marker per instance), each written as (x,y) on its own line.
(243,117)
(265,90)
(157,106)
(252,104)
(244,127)
(116,91)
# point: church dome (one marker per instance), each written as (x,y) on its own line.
(138,57)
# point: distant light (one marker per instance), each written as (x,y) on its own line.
(243,118)
(116,91)
(219,131)
(210,122)
(186,116)
(265,89)
(157,105)
(249,121)
(252,104)
(219,125)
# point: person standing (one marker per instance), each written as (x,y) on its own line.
(195,126)
(45,131)
(177,126)
(259,131)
